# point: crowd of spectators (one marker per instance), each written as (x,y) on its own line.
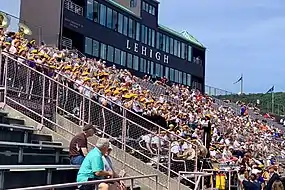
(233,139)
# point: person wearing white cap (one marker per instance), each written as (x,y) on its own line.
(108,166)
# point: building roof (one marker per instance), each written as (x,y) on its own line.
(118,5)
(184,34)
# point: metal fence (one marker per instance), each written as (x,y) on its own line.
(212,91)
(39,96)
(94,183)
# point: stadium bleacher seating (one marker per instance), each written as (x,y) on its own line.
(142,118)
(30,159)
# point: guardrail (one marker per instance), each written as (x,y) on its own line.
(96,183)
(201,178)
(213,91)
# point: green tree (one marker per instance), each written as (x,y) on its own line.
(265,101)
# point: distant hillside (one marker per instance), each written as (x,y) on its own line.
(265,104)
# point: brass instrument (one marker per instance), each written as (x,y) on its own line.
(24,29)
(4,20)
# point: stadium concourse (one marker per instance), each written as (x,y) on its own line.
(185,115)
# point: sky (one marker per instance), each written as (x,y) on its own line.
(241,37)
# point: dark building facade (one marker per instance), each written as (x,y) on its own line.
(125,33)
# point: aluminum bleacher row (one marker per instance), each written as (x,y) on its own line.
(30,159)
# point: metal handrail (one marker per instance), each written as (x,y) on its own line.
(22,167)
(122,107)
(64,185)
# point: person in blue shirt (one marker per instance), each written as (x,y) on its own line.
(92,167)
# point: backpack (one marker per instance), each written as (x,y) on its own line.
(277,185)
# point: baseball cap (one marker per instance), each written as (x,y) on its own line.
(89,126)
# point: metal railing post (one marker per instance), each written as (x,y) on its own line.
(169,166)
(178,180)
(89,111)
(156,182)
(230,179)
(5,79)
(159,147)
(124,134)
(43,100)
(83,111)
(132,184)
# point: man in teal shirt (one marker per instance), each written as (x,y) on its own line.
(92,167)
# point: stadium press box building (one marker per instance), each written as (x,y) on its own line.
(125,33)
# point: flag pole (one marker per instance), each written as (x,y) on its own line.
(241,85)
(272,101)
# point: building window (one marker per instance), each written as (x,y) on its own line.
(189,53)
(178,49)
(180,77)
(117,56)
(131,30)
(152,10)
(130,61)
(146,7)
(158,70)
(149,37)
(175,47)
(188,79)
(115,21)
(185,78)
(136,63)
(123,58)
(109,17)
(148,67)
(103,15)
(110,54)
(161,70)
(160,41)
(176,76)
(167,44)
(125,29)
(103,51)
(143,34)
(143,65)
(171,74)
(120,23)
(166,72)
(164,42)
(138,31)
(96,7)
(182,50)
(153,38)
(171,46)
(157,40)
(133,3)
(88,46)
(89,9)
(95,48)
